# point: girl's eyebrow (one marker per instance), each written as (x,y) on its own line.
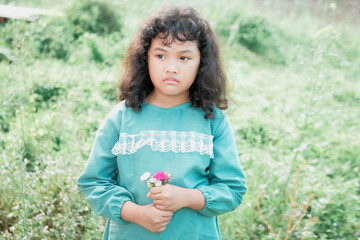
(164,50)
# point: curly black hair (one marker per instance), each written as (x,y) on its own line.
(182,24)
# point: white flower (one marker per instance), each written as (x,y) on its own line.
(145,176)
(156,182)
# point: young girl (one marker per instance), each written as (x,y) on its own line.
(169,119)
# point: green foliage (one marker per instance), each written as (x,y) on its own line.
(6,54)
(104,50)
(95,16)
(41,200)
(349,97)
(95,52)
(45,94)
(53,214)
(109,91)
(42,37)
(256,34)
(54,37)
(254,135)
(4,123)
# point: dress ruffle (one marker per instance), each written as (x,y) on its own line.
(165,141)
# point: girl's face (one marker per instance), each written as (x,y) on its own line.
(173,69)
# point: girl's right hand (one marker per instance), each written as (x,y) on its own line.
(154,219)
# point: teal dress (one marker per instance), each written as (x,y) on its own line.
(199,153)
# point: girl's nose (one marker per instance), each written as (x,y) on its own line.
(171,67)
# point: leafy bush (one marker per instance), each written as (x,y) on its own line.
(255,135)
(350,97)
(6,54)
(96,54)
(109,91)
(4,122)
(105,51)
(94,16)
(259,36)
(40,204)
(42,37)
(255,33)
(44,94)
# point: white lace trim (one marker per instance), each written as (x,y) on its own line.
(165,141)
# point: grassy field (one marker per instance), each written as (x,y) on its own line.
(293,69)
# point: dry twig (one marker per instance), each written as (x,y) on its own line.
(293,201)
(263,217)
(303,213)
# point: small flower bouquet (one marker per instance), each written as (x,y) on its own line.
(159,178)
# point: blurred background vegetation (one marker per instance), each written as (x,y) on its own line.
(293,68)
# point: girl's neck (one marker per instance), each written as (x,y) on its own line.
(166,102)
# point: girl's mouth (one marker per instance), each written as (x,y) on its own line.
(170,81)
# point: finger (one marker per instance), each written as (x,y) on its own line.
(159,206)
(155,190)
(167,218)
(165,211)
(157,202)
(162,229)
(165,221)
(162,225)
(168,213)
(162,208)
(148,194)
(156,196)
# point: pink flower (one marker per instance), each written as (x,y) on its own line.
(159,178)
(160,175)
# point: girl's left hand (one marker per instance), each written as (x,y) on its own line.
(168,197)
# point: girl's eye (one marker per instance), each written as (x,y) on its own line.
(184,58)
(160,56)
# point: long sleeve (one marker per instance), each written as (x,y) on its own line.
(98,180)
(227,181)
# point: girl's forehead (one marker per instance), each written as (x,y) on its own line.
(171,42)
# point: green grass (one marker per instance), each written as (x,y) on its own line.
(295,98)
